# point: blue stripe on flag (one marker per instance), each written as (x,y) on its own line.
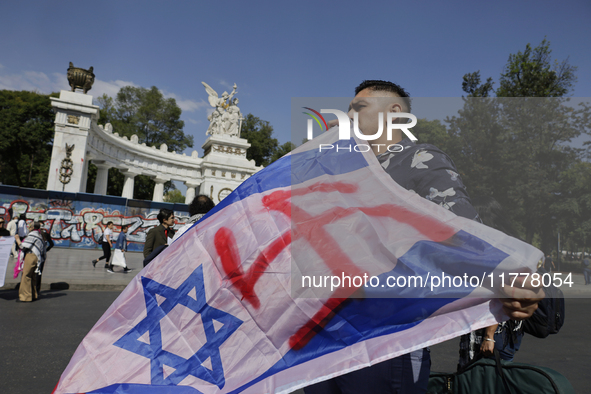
(130,388)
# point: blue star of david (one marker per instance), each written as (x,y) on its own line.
(159,357)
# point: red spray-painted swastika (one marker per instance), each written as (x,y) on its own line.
(312,229)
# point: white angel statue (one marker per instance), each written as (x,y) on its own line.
(216,101)
(217,119)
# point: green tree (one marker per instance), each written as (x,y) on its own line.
(471,85)
(26,138)
(435,133)
(174,196)
(259,134)
(516,149)
(282,150)
(532,73)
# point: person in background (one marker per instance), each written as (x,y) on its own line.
(121,244)
(33,246)
(107,245)
(197,209)
(3,232)
(12,227)
(159,235)
(549,263)
(586,270)
(48,245)
(22,229)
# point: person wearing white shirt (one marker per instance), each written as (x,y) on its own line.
(107,245)
(12,227)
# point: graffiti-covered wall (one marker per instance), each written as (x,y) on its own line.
(77,220)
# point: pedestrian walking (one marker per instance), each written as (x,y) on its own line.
(48,245)
(22,229)
(107,245)
(33,246)
(549,263)
(120,249)
(12,228)
(586,270)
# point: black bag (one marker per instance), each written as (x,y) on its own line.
(549,317)
(487,376)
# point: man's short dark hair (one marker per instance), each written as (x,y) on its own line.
(109,223)
(124,227)
(201,204)
(385,86)
(22,216)
(164,214)
(36,225)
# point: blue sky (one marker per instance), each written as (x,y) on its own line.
(278,50)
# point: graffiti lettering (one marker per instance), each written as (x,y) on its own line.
(61,204)
(81,225)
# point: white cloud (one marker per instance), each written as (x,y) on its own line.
(34,81)
(186,105)
(110,88)
(44,83)
(193,121)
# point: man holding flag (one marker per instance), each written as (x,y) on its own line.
(225,309)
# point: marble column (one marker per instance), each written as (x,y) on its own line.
(159,189)
(190,192)
(102,178)
(128,184)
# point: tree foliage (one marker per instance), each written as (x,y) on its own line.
(516,146)
(26,138)
(282,150)
(264,149)
(532,73)
(173,196)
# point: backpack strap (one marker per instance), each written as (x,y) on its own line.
(500,371)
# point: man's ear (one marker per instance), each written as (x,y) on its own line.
(394,107)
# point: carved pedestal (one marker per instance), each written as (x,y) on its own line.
(225,165)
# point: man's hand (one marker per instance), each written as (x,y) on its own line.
(520,308)
(332,123)
(487,347)
(521,299)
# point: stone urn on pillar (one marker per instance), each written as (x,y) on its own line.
(79,78)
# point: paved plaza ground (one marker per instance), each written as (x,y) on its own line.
(38,339)
(73,266)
